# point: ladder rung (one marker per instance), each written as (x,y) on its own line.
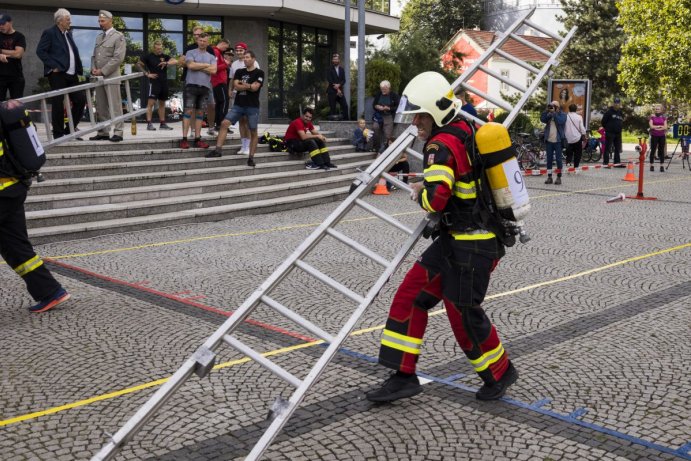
(380,214)
(297,318)
(500,77)
(517,61)
(499,102)
(357,246)
(479,121)
(541,29)
(525,42)
(329,281)
(263,361)
(397,182)
(414,153)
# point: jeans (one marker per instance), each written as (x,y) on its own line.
(554,149)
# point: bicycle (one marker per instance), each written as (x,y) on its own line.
(527,154)
(592,152)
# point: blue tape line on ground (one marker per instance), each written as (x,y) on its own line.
(578,412)
(455,377)
(682,452)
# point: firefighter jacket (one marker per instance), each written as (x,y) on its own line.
(451,190)
(6,181)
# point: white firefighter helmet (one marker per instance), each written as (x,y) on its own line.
(430,93)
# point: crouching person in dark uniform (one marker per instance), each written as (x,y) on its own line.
(15,246)
(302,136)
(457,265)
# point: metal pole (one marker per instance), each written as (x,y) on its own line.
(346,54)
(361,59)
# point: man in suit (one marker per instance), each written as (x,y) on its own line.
(61,64)
(109,52)
(337,79)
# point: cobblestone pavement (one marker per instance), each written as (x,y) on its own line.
(594,312)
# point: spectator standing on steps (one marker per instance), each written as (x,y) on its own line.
(219,84)
(245,135)
(12,47)
(62,66)
(336,78)
(302,136)
(109,53)
(248,83)
(575,132)
(155,66)
(658,134)
(554,120)
(200,67)
(384,104)
(613,122)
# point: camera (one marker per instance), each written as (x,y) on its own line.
(550,107)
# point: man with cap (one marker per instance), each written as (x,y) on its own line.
(612,122)
(62,66)
(555,124)
(109,52)
(245,134)
(12,46)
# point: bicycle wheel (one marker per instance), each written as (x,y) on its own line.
(528,160)
(587,154)
(596,154)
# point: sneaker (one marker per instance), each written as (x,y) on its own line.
(662,169)
(201,144)
(652,168)
(312,166)
(396,387)
(497,390)
(164,126)
(549,180)
(184,144)
(212,132)
(214,153)
(250,162)
(59,297)
(150,127)
(244,152)
(331,165)
(558,181)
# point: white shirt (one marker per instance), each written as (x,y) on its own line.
(574,127)
(71,68)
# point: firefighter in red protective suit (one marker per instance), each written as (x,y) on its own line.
(15,246)
(457,265)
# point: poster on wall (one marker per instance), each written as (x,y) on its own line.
(569,92)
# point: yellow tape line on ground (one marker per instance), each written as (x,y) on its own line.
(284,350)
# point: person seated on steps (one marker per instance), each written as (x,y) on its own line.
(362,136)
(302,136)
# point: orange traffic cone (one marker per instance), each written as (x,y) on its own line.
(380,188)
(630,176)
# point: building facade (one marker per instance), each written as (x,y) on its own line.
(293,39)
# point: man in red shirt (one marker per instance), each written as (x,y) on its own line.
(219,84)
(302,136)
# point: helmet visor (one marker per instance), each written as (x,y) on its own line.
(406,111)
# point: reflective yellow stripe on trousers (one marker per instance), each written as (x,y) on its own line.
(487,359)
(29,266)
(401,342)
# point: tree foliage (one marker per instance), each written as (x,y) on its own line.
(655,64)
(595,49)
(439,19)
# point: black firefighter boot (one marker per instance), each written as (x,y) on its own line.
(497,390)
(397,386)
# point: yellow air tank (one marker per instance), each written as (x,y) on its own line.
(503,173)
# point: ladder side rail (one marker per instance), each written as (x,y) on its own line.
(316,371)
(357,247)
(501,39)
(91,129)
(263,361)
(501,78)
(531,45)
(545,69)
(297,318)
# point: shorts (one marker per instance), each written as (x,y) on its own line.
(252,113)
(158,89)
(196,97)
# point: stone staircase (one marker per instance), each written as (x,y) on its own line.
(95,188)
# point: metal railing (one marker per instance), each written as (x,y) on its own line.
(43,99)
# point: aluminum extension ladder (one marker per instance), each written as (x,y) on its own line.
(202,360)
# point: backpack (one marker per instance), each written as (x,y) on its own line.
(276,143)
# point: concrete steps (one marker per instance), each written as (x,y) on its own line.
(97,189)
